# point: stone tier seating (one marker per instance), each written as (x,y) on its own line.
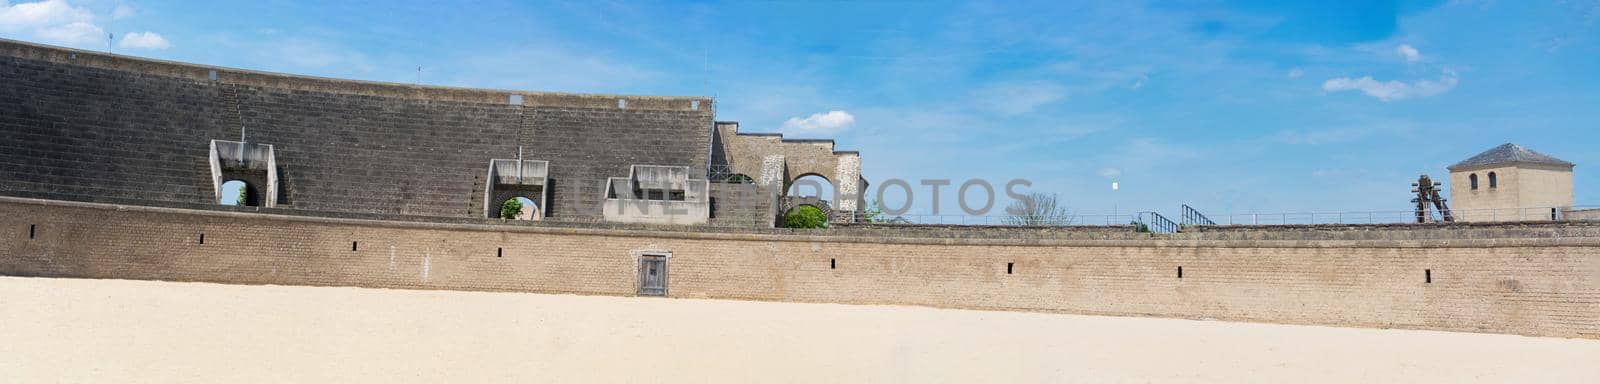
(81,133)
(587,146)
(78,132)
(379,155)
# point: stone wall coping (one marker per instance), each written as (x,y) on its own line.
(1156,241)
(237,76)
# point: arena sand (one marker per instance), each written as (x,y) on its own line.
(76,330)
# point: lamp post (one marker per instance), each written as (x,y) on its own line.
(1114,187)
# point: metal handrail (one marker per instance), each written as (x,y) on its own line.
(1157,223)
(1193,216)
(1160,224)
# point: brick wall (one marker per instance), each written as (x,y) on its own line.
(1520,284)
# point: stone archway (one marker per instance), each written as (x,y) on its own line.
(789,203)
(801,184)
(774,161)
(530,209)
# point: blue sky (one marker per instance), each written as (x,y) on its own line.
(1229,106)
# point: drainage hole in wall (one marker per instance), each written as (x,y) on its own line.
(1427,276)
(1008,267)
(498,252)
(31,230)
(1180,271)
(833,263)
(353,246)
(202,238)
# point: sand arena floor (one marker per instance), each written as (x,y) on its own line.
(72,330)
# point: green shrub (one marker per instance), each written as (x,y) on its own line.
(805,216)
(510,209)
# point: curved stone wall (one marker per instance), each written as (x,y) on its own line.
(87,126)
(1532,281)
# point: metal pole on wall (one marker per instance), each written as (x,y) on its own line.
(1114,187)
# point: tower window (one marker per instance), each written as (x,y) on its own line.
(1473,178)
(1493,181)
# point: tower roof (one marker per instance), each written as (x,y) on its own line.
(1509,153)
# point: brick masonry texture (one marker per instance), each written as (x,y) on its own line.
(1539,281)
(742,205)
(85,126)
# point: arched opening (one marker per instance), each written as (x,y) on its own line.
(238,193)
(519,208)
(811,185)
(805,216)
(1494,181)
(739,178)
(1473,179)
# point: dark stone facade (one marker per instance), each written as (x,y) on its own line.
(79,133)
(86,126)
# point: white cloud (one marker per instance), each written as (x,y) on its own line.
(123,11)
(1110,173)
(1393,89)
(823,123)
(1019,98)
(1295,73)
(146,40)
(55,21)
(41,14)
(1409,53)
(75,33)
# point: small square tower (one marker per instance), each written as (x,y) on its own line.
(1510,183)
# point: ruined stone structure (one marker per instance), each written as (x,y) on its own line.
(111,167)
(772,161)
(1510,182)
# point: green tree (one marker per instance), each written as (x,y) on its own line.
(510,209)
(874,214)
(243,196)
(805,216)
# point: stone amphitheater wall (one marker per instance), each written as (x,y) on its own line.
(1532,281)
(88,126)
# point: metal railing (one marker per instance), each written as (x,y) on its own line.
(1158,223)
(1155,223)
(1193,216)
(1400,216)
(720,174)
(1070,220)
